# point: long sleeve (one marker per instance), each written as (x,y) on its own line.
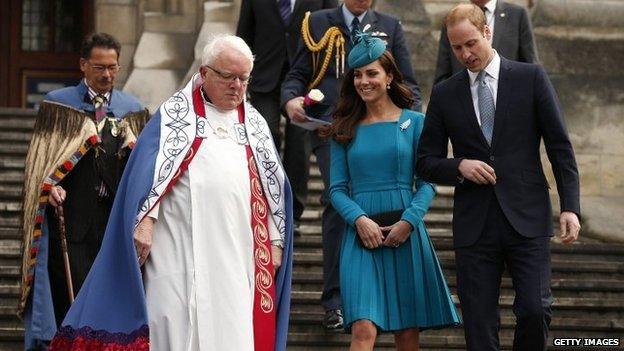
(339,185)
(433,164)
(557,143)
(425,192)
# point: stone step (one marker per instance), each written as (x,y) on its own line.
(560,303)
(12,221)
(12,162)
(303,320)
(10,192)
(314,280)
(325,341)
(10,233)
(12,177)
(17,123)
(9,207)
(15,136)
(447,259)
(12,148)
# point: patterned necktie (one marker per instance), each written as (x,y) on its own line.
(355,25)
(486,107)
(100,108)
(284,10)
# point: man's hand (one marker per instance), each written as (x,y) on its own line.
(570,227)
(57,196)
(369,232)
(294,109)
(143,238)
(276,253)
(477,171)
(398,233)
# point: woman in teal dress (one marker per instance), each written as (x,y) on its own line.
(390,277)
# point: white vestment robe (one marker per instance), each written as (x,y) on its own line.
(199,277)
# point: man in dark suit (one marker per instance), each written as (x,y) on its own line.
(353,15)
(512,37)
(496,113)
(272,30)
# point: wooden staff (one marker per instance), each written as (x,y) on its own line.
(68,275)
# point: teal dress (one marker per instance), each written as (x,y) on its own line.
(395,288)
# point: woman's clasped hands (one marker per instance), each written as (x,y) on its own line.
(372,234)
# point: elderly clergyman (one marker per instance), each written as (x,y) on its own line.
(205,206)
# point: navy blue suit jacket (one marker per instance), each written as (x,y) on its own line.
(527,112)
(388,28)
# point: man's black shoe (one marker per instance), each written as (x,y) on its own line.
(333,320)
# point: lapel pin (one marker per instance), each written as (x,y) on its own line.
(405,124)
(502,14)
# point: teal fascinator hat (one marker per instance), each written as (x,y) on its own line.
(367,49)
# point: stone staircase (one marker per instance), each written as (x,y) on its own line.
(588,277)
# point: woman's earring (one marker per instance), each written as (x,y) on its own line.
(388,86)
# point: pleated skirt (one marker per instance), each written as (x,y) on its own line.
(395,288)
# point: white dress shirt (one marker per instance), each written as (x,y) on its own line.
(492,71)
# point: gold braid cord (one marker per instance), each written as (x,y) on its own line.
(332,39)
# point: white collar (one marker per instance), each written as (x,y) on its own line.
(492,69)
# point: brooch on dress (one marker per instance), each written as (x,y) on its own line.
(405,124)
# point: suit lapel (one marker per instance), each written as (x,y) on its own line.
(502,100)
(463,93)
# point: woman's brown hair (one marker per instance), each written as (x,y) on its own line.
(351,108)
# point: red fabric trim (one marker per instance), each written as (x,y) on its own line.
(264,316)
(85,344)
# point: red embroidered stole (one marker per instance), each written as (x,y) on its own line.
(264,314)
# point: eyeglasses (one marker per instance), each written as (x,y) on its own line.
(102,68)
(230,77)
